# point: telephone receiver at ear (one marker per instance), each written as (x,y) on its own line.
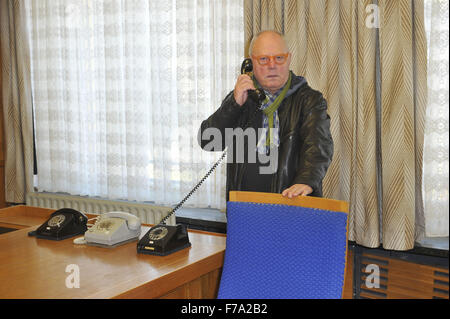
(257,95)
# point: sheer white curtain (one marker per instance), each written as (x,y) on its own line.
(435,183)
(120,88)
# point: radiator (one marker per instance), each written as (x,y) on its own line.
(148,213)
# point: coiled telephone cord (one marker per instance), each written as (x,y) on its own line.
(163,221)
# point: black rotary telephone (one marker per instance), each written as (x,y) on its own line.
(165,239)
(63,223)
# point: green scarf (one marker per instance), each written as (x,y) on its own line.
(268,111)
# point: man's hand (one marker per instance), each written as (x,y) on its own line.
(297,189)
(243,84)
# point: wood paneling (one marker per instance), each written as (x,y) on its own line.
(348,281)
(204,287)
(399,279)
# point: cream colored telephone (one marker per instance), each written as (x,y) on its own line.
(113,228)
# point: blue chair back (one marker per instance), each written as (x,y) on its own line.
(276,251)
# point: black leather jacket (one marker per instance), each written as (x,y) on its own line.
(306,145)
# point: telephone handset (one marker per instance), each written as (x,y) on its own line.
(63,223)
(112,229)
(165,239)
(257,95)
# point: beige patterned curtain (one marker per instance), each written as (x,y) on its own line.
(403,56)
(368,58)
(17,105)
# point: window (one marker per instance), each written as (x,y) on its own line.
(120,89)
(435,174)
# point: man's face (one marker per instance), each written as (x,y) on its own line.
(271,76)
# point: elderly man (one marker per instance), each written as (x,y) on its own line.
(292,123)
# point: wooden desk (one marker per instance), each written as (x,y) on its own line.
(36,268)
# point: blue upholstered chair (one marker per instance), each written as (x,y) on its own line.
(284,248)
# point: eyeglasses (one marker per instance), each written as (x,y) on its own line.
(265,59)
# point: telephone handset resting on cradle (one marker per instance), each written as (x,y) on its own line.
(62,224)
(112,229)
(165,239)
